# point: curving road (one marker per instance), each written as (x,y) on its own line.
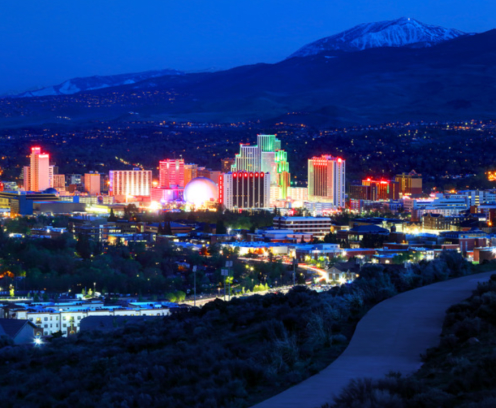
(390,337)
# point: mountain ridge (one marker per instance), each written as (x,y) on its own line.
(95,82)
(401,32)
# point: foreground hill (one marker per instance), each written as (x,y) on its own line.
(453,80)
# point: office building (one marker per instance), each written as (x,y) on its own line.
(410,184)
(244,190)
(75,179)
(326,180)
(126,183)
(317,226)
(226,164)
(92,184)
(375,190)
(171,173)
(21,202)
(38,176)
(190,172)
(266,157)
(59,182)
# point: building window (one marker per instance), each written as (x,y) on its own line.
(65,325)
(79,317)
(46,325)
(46,319)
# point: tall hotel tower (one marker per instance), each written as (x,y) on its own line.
(38,176)
(130,182)
(326,180)
(265,157)
(171,173)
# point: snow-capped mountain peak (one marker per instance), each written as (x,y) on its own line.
(402,32)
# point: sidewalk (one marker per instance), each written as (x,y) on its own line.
(390,337)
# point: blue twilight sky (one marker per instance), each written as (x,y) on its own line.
(46,42)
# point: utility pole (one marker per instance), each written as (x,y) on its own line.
(225,273)
(295,264)
(229,265)
(194,274)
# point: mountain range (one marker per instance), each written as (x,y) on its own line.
(92,83)
(388,71)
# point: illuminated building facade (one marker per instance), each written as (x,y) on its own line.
(248,159)
(226,164)
(410,184)
(375,190)
(171,173)
(92,184)
(130,182)
(326,180)
(59,182)
(244,190)
(266,157)
(298,193)
(38,176)
(190,172)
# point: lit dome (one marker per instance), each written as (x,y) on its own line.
(200,190)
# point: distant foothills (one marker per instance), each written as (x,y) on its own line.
(396,70)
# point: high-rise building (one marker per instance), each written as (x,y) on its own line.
(375,190)
(59,182)
(244,190)
(266,157)
(92,183)
(38,176)
(226,164)
(326,180)
(130,182)
(76,179)
(190,172)
(410,184)
(171,173)
(248,159)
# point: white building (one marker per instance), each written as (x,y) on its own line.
(244,190)
(66,316)
(317,226)
(130,182)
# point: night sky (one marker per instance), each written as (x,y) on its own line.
(46,42)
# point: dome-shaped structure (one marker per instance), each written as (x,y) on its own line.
(50,191)
(200,190)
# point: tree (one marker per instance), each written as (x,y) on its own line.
(171,297)
(220,228)
(112,217)
(83,246)
(180,296)
(97,249)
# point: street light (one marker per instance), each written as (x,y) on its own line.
(94,289)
